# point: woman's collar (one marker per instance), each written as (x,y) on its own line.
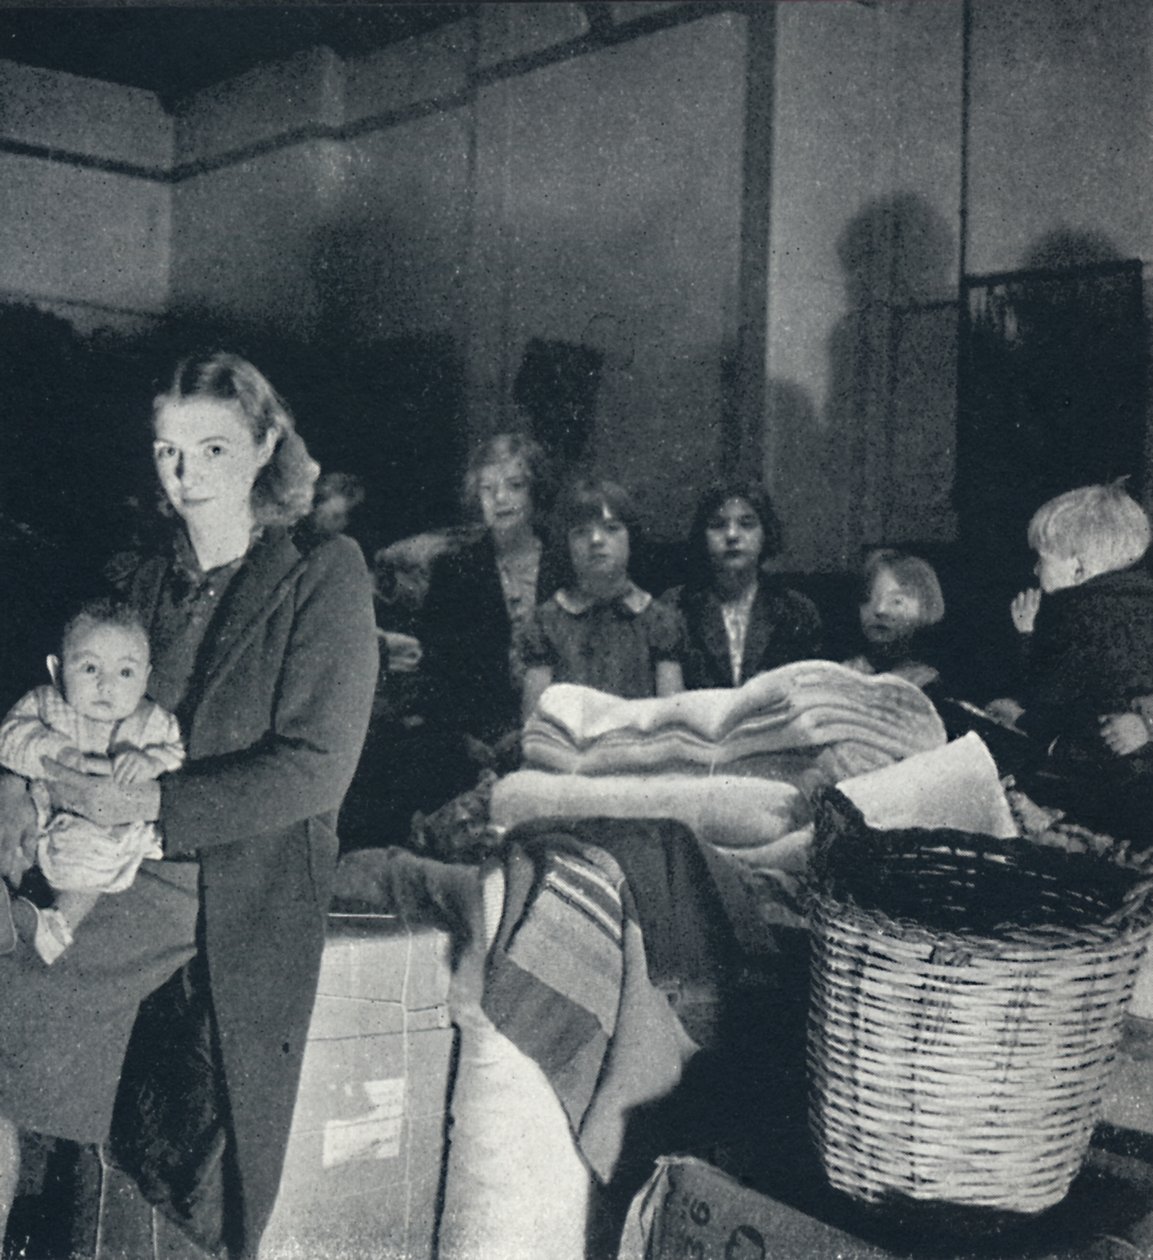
(186,562)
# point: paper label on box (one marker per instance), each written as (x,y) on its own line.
(375,1134)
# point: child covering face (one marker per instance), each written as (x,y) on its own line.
(600,629)
(94,718)
(1087,683)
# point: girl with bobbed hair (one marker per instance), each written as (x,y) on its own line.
(264,646)
(739,619)
(900,610)
(600,629)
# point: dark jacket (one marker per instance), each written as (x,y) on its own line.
(1091,653)
(784,626)
(466,635)
(278,710)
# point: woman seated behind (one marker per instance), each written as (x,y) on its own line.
(481,595)
(600,629)
(739,620)
(901,604)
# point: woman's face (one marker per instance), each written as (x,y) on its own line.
(892,611)
(505,493)
(599,549)
(735,538)
(207,460)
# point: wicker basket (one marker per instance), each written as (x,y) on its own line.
(966,1005)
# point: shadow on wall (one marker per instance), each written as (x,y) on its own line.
(877,464)
(556,388)
(892,384)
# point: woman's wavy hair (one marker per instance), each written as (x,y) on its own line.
(282,493)
(699,567)
(498,449)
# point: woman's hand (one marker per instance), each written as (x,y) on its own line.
(134,765)
(101,800)
(1024,608)
(1124,733)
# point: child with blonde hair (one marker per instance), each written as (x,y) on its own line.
(1087,693)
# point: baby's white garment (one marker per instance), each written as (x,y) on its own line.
(77,855)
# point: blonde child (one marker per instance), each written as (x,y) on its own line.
(901,603)
(600,629)
(1088,679)
(94,717)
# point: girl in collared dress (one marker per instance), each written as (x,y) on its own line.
(600,629)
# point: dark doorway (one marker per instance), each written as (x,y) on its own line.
(1052,395)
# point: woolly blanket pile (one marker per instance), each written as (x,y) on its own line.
(736,765)
(806,713)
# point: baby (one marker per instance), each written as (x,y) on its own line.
(95,718)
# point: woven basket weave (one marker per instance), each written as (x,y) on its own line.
(966,1004)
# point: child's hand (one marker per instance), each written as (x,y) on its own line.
(135,766)
(1124,733)
(1024,609)
(1005,710)
(85,763)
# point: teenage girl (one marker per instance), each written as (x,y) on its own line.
(740,619)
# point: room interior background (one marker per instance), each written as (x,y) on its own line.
(675,238)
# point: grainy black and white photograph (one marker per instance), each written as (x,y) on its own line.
(576,630)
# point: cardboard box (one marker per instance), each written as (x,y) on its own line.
(687,1208)
(362,1173)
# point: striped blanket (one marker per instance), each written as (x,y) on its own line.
(600,914)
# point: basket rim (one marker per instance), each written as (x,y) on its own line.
(1121,937)
(848,849)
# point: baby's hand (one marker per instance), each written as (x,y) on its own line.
(1024,609)
(1124,733)
(135,766)
(73,758)
(1005,710)
(86,763)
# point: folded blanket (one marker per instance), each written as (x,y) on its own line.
(851,722)
(724,810)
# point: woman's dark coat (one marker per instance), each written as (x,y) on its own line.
(784,626)
(466,635)
(279,707)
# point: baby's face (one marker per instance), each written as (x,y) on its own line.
(104,670)
(892,611)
